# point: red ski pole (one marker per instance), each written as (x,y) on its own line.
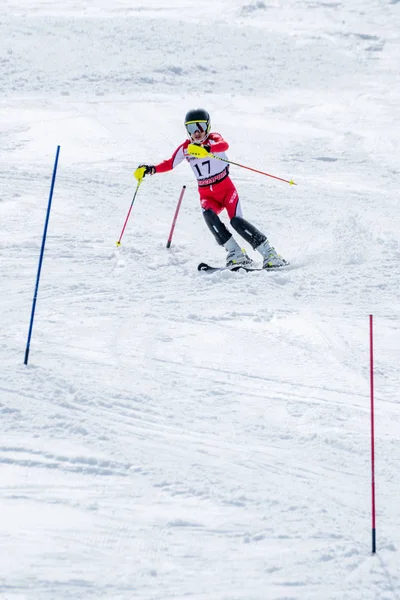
(290,181)
(139,174)
(171,233)
(201,152)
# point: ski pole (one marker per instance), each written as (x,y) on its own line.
(171,233)
(289,181)
(139,174)
(200,152)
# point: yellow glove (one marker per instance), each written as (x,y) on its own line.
(144,170)
(139,173)
(198,151)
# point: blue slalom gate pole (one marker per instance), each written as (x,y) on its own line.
(41,257)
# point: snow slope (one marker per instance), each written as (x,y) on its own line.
(175,434)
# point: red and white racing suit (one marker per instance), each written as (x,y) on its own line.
(215,186)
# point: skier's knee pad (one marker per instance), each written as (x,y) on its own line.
(216,226)
(248,232)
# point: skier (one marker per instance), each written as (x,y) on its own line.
(217,191)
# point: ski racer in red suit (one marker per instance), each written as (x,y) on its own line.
(217,191)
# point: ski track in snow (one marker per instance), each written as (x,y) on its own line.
(175,434)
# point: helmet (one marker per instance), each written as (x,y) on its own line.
(197,119)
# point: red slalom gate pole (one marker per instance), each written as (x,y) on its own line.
(171,233)
(371,361)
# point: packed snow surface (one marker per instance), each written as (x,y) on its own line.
(177,434)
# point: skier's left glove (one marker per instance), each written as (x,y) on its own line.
(199,151)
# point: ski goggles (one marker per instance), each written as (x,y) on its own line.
(201,126)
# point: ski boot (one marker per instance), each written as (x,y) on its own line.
(235,254)
(271,259)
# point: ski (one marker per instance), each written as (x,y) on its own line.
(205,268)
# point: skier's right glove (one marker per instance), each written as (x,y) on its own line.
(148,169)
